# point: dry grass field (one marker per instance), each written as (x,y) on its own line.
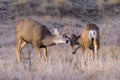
(61,64)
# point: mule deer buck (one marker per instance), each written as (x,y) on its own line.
(88,40)
(30,31)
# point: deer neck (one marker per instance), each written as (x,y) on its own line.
(48,40)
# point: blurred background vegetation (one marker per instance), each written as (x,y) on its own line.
(74,8)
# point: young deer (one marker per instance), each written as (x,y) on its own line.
(88,40)
(30,31)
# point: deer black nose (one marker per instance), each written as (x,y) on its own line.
(67,41)
(64,36)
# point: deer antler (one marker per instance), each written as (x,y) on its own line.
(66,27)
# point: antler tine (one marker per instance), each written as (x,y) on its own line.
(66,27)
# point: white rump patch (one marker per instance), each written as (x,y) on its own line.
(92,34)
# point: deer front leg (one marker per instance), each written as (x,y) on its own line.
(45,53)
(75,48)
(37,50)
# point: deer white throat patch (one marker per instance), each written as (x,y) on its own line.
(92,34)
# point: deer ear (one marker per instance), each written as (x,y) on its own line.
(55,31)
(66,27)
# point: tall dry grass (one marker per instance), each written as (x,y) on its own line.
(61,64)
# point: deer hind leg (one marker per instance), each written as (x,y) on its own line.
(92,54)
(21,44)
(82,52)
(89,55)
(82,57)
(95,50)
(18,50)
